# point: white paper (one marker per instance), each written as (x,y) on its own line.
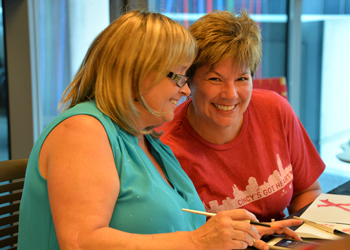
(330,210)
(307,231)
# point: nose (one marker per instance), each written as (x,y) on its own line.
(229,91)
(185,90)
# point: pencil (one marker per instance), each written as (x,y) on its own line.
(250,221)
(198,212)
(322,227)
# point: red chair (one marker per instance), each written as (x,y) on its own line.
(277,84)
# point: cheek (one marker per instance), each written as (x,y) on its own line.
(246,92)
(202,100)
(203,93)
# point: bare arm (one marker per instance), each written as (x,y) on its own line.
(83,185)
(305,197)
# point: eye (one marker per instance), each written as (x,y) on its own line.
(243,79)
(214,79)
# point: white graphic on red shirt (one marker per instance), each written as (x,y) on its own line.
(278,180)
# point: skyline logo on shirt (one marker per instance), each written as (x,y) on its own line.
(278,180)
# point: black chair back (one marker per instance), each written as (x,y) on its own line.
(12,174)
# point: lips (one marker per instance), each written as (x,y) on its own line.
(224,107)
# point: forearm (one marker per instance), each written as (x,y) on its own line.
(303,199)
(224,231)
(108,238)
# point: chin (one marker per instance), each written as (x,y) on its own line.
(168,120)
(168,117)
(226,124)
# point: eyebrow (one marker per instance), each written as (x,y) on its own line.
(215,72)
(246,72)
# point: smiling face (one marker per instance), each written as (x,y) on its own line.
(219,98)
(163,98)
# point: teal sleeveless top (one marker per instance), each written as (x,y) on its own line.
(146,203)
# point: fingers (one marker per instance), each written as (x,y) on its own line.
(287,223)
(289,233)
(227,230)
(293,235)
(259,244)
(237,244)
(222,232)
(236,217)
(283,224)
(240,214)
(246,231)
(284,231)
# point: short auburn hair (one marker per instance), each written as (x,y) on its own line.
(221,35)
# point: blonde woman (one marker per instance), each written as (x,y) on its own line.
(98,177)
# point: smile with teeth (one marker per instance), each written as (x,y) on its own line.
(173,102)
(224,108)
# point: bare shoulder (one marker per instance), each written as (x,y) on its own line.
(80,123)
(78,129)
(78,139)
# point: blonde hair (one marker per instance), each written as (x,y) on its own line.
(221,35)
(120,58)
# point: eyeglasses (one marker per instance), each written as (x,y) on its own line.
(180,80)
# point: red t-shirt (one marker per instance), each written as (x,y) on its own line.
(259,170)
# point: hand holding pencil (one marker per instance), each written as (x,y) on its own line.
(250,221)
(226,230)
(237,220)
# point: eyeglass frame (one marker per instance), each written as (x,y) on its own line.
(177,78)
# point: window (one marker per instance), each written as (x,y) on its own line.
(324,80)
(270,15)
(64,30)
